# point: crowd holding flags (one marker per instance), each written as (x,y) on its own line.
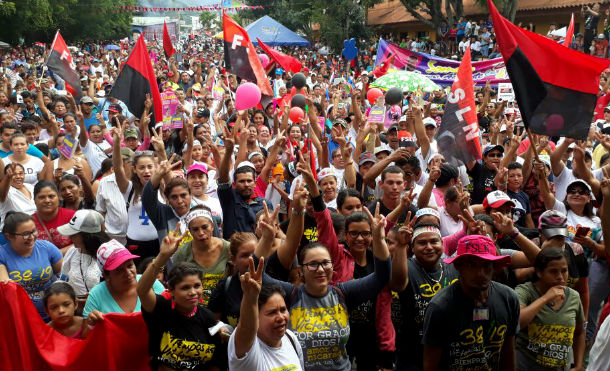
(60,62)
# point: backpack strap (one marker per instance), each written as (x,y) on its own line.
(289,335)
(130,196)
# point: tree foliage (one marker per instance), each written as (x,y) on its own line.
(37,20)
(208,20)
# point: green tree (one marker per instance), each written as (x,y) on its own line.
(100,20)
(508,8)
(208,20)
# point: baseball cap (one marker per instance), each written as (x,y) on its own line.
(553,223)
(326,172)
(115,108)
(88,221)
(480,246)
(196,87)
(496,199)
(393,127)
(130,133)
(112,254)
(601,36)
(197,166)
(279,71)
(491,147)
(366,157)
(380,149)
(562,139)
(246,164)
(86,100)
(278,169)
(408,141)
(127,153)
(580,182)
(429,121)
(203,112)
(341,122)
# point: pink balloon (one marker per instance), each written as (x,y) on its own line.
(248,95)
(296,114)
(264,60)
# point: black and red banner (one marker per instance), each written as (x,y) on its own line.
(240,55)
(167,42)
(136,79)
(458,136)
(287,62)
(556,87)
(60,62)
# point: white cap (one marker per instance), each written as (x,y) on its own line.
(88,221)
(326,172)
(245,164)
(429,121)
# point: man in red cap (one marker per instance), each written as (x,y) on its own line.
(471,325)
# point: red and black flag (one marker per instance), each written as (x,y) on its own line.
(167,42)
(60,62)
(556,87)
(240,55)
(136,79)
(458,136)
(287,62)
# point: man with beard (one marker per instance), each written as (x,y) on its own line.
(239,206)
(471,325)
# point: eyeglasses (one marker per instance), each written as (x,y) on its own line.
(577,191)
(314,266)
(27,235)
(355,234)
(495,154)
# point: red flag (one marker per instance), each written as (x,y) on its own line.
(167,42)
(136,79)
(458,135)
(119,342)
(569,33)
(556,87)
(60,62)
(287,62)
(240,55)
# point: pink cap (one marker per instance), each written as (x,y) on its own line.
(197,166)
(480,246)
(112,254)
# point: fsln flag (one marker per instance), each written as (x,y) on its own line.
(240,55)
(60,62)
(569,33)
(167,42)
(556,87)
(287,62)
(136,79)
(458,136)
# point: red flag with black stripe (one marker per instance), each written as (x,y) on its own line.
(287,62)
(458,136)
(240,55)
(167,42)
(60,62)
(136,79)
(556,87)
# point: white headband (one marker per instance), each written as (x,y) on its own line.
(196,214)
(425,229)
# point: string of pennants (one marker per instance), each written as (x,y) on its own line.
(144,9)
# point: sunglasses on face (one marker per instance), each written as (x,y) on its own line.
(496,155)
(577,191)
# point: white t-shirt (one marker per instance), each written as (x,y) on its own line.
(262,357)
(211,203)
(32,167)
(574,221)
(94,153)
(17,201)
(561,183)
(139,227)
(82,271)
(448,225)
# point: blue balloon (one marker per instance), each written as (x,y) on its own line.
(349,49)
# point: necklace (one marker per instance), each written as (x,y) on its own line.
(428,275)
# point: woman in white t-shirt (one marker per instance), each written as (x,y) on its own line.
(95,148)
(142,238)
(34,168)
(262,340)
(197,180)
(15,194)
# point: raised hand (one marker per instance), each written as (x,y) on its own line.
(156,138)
(405,232)
(435,173)
(407,198)
(300,196)
(555,295)
(252,280)
(169,245)
(148,103)
(504,224)
(378,223)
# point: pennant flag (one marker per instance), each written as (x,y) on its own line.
(240,55)
(60,62)
(569,33)
(287,62)
(556,87)
(119,342)
(167,42)
(136,79)
(458,136)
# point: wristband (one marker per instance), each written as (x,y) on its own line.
(515,234)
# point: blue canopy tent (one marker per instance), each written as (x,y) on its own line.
(273,33)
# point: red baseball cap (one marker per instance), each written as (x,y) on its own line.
(496,199)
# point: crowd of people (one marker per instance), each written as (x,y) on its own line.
(252,241)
